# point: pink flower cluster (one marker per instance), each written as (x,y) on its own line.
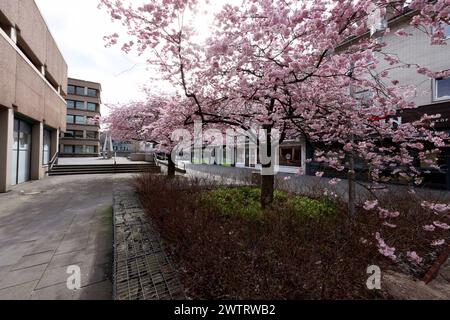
(436,207)
(384,249)
(414,257)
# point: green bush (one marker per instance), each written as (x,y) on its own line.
(245,202)
(311,207)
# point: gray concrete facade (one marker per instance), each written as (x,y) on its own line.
(33,83)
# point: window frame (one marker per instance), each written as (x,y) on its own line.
(93,148)
(92,103)
(69,91)
(78,137)
(95,135)
(71,136)
(78,117)
(68,146)
(80,102)
(71,116)
(447,27)
(77,88)
(435,90)
(75,148)
(92,90)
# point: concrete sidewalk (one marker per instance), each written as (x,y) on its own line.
(48,225)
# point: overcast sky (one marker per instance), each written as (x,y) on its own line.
(78,27)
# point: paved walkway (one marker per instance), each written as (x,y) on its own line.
(48,225)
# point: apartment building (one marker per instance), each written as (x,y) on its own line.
(82,138)
(33,82)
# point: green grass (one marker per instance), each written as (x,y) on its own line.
(245,202)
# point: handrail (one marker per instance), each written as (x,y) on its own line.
(165,162)
(53,161)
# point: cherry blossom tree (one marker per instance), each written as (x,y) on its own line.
(283,65)
(127,122)
(151,120)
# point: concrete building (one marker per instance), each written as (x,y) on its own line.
(82,138)
(33,82)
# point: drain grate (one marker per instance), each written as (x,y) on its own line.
(142,270)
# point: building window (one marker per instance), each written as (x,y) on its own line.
(46,147)
(92,106)
(447,31)
(68,149)
(71,89)
(80,105)
(78,134)
(442,89)
(69,134)
(70,119)
(290,156)
(80,120)
(70,104)
(91,135)
(92,92)
(91,149)
(79,149)
(79,91)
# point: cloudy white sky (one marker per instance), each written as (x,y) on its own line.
(78,27)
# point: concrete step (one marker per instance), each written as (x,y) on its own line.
(66,173)
(104,165)
(103,169)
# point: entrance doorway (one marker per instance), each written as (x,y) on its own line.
(21,152)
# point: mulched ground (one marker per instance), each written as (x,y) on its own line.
(278,256)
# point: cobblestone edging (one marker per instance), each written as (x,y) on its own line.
(142,270)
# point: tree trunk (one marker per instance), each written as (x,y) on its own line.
(267,189)
(170,168)
(267,173)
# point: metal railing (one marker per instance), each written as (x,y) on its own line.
(164,160)
(53,161)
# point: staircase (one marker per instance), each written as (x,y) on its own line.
(65,170)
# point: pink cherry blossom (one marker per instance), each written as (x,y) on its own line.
(441,225)
(437,207)
(334,181)
(384,249)
(414,257)
(280,64)
(389,225)
(370,205)
(438,243)
(429,228)
(384,213)
(319,174)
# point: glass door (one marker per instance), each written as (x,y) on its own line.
(21,156)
